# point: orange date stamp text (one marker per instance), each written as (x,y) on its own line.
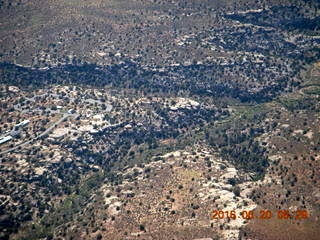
(262,214)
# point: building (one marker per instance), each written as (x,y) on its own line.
(5,139)
(22,124)
(71,111)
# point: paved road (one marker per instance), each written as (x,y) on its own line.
(47,131)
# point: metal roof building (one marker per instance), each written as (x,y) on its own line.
(5,139)
(23,123)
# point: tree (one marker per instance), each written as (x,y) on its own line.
(99,236)
(236,191)
(142,227)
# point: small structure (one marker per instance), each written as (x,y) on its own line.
(5,139)
(71,111)
(22,124)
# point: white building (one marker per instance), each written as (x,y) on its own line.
(22,124)
(71,111)
(5,139)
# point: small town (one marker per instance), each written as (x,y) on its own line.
(159,120)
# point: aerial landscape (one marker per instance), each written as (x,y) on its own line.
(165,120)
